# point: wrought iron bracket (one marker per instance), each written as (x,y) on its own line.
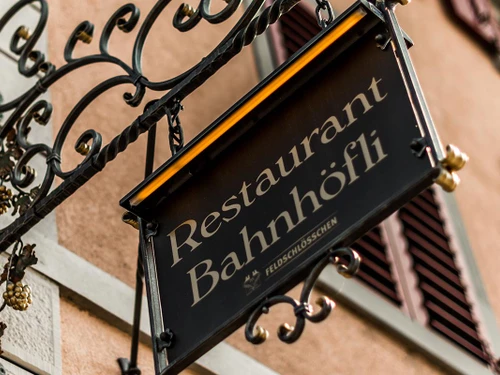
(28,110)
(303,310)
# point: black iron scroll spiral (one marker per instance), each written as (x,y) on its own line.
(303,309)
(28,110)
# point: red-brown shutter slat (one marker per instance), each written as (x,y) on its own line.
(298,39)
(456,322)
(373,250)
(376,284)
(429,233)
(376,265)
(441,284)
(415,210)
(297,27)
(439,278)
(304,22)
(452,335)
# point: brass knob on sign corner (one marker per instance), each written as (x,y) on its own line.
(261,334)
(448,180)
(455,159)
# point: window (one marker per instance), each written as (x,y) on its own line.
(481,19)
(410,259)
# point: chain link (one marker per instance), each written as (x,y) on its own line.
(326,6)
(175,131)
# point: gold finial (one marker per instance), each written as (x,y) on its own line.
(261,334)
(38,118)
(448,180)
(24,33)
(187,10)
(324,301)
(285,329)
(83,149)
(84,37)
(455,159)
(130,219)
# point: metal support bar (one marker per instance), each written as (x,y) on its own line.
(130,367)
(406,66)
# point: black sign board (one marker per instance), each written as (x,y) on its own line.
(312,158)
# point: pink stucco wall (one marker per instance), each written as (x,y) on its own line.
(91,346)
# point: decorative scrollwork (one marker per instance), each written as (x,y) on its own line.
(303,310)
(29,110)
(202,12)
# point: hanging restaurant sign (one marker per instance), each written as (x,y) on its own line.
(321,151)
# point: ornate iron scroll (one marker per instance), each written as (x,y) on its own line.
(302,309)
(28,110)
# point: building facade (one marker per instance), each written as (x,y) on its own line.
(426,298)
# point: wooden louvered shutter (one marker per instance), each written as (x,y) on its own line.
(445,298)
(376,269)
(293,30)
(298,27)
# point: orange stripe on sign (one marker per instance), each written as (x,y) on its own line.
(248,106)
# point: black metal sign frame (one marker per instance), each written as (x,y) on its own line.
(360,20)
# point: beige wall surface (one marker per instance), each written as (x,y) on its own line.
(461,86)
(90,221)
(91,346)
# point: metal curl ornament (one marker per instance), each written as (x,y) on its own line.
(28,108)
(202,12)
(303,310)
